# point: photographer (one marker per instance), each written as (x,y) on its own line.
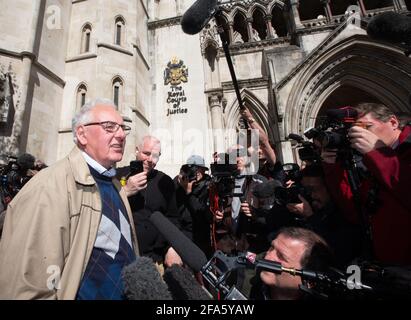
(237,225)
(192,202)
(147,192)
(268,167)
(386,205)
(295,248)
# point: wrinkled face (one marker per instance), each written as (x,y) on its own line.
(388,131)
(105,147)
(288,252)
(319,193)
(149,153)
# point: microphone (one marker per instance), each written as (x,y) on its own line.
(188,251)
(143,282)
(391,27)
(198,15)
(183,285)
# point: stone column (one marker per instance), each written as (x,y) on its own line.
(399,5)
(269,24)
(215,103)
(362,7)
(295,15)
(230,31)
(28,57)
(250,29)
(327,9)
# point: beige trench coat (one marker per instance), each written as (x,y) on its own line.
(50,230)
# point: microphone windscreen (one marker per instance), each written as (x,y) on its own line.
(188,251)
(26,161)
(198,15)
(183,285)
(391,27)
(142,281)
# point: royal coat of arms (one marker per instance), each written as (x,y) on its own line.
(175,73)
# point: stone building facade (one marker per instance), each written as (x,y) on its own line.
(293,60)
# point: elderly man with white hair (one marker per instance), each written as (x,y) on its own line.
(69,232)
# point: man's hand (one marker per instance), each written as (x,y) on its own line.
(172,257)
(364,140)
(302,209)
(245,208)
(329,156)
(136,183)
(185,184)
(218,216)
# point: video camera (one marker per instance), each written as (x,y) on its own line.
(189,171)
(14,175)
(307,151)
(223,176)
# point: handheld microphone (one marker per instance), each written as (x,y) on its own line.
(391,27)
(188,251)
(198,15)
(143,282)
(183,285)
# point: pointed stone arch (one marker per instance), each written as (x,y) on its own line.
(277,3)
(256,107)
(256,6)
(376,68)
(237,10)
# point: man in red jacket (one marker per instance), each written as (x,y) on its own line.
(386,149)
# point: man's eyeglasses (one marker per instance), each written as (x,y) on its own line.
(110,126)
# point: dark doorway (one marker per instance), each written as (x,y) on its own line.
(342,97)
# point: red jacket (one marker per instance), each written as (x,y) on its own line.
(391,223)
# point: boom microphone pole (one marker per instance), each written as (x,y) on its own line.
(194,20)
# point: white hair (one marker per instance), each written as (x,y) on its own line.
(148,138)
(84,114)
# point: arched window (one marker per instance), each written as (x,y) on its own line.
(278,23)
(222,21)
(311,9)
(240,33)
(86,38)
(259,24)
(119,31)
(81,96)
(339,7)
(117,91)
(375,4)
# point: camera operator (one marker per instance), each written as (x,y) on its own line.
(386,205)
(295,248)
(237,225)
(316,211)
(147,192)
(268,167)
(193,204)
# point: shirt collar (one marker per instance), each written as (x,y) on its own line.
(98,167)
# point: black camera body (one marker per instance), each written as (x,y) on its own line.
(224,178)
(284,196)
(13,178)
(189,171)
(136,166)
